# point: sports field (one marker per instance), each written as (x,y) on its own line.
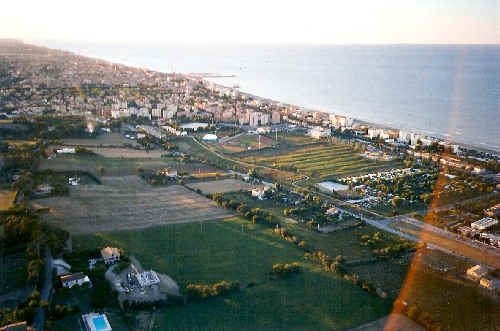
(127,203)
(245,142)
(221,186)
(323,161)
(235,250)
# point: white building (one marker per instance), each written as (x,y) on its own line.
(210,137)
(74,279)
(476,272)
(110,254)
(275,117)
(484,223)
(319,132)
(66,151)
(404,136)
(260,192)
(147,278)
(74,181)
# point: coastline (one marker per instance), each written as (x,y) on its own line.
(192,75)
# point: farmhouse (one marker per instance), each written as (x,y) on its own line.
(490,283)
(484,223)
(332,211)
(110,254)
(493,211)
(95,322)
(74,181)
(260,192)
(147,278)
(74,279)
(43,189)
(172,173)
(476,272)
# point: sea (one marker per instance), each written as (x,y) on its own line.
(445,91)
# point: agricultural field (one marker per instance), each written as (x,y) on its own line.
(221,186)
(6,199)
(127,153)
(102,140)
(127,203)
(323,161)
(118,166)
(235,250)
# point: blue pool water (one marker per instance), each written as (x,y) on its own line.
(99,323)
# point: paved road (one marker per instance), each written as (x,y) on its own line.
(39,319)
(450,242)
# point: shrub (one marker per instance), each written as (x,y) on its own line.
(205,291)
(284,270)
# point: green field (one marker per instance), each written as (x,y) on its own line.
(104,139)
(325,161)
(236,250)
(117,166)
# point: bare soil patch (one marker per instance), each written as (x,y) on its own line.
(7,199)
(127,203)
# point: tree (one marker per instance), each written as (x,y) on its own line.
(396,202)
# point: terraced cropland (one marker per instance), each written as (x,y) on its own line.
(325,161)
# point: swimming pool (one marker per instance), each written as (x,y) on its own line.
(100,323)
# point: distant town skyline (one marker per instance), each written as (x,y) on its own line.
(258,21)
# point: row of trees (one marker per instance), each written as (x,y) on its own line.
(337,266)
(286,269)
(25,311)
(205,291)
(421,317)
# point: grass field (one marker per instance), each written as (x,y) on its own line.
(458,304)
(325,161)
(221,186)
(13,272)
(345,242)
(118,166)
(127,203)
(104,139)
(6,199)
(236,250)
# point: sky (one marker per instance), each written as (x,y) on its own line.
(254,21)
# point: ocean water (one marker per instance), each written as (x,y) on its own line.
(449,91)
